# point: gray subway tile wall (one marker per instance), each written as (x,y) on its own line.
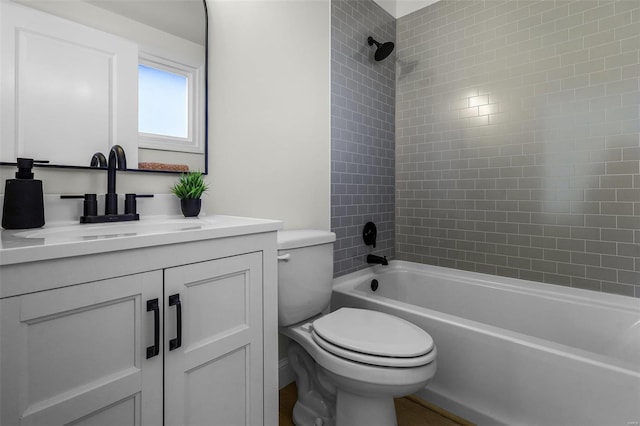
(362,132)
(517,140)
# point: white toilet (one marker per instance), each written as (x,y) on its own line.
(351,363)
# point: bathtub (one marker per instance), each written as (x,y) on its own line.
(514,352)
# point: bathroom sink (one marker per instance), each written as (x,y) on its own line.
(57,240)
(102,231)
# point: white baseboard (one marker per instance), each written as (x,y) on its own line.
(285,373)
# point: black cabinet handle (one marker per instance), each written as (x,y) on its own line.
(174,299)
(152,305)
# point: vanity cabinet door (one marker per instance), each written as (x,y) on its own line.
(215,375)
(77,355)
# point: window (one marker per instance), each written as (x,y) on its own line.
(163,102)
(169,108)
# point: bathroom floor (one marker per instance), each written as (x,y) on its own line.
(411,411)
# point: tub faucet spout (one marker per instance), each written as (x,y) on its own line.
(372,258)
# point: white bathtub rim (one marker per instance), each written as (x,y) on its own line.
(579,355)
(348,283)
(469,406)
(576,295)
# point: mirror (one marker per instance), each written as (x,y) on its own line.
(79,76)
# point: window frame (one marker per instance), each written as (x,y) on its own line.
(194,142)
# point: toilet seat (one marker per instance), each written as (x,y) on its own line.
(374,338)
(379,361)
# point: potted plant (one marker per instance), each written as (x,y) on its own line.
(189,189)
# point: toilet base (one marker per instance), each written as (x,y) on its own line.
(356,410)
(336,391)
(304,416)
(316,397)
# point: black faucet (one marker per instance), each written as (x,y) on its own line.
(99,160)
(372,258)
(118,160)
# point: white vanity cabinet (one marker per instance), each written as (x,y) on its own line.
(78,354)
(211,375)
(170,334)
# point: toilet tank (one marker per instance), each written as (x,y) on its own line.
(305,274)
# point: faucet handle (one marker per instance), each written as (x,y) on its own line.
(130,205)
(90,203)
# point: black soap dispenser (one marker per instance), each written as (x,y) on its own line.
(23,206)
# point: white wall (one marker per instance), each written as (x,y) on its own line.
(270,110)
(269,117)
(400,8)
(405,7)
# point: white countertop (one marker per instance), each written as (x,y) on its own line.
(65,240)
(160,223)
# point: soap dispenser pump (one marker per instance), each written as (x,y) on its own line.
(23,206)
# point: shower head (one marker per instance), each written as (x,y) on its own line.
(383,50)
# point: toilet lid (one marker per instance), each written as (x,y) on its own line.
(382,361)
(373,333)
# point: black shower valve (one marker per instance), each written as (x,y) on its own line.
(369,234)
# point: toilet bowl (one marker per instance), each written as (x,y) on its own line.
(351,363)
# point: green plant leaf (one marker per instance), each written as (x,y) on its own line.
(190,185)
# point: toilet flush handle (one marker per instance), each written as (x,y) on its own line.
(284,257)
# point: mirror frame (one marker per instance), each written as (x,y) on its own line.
(206,119)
